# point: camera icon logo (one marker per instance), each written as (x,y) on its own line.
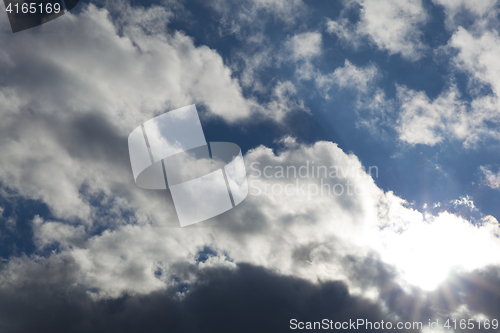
(26,14)
(170,152)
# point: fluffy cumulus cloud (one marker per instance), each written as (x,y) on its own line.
(393,26)
(293,195)
(314,218)
(80,80)
(162,70)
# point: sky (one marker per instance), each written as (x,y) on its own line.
(397,99)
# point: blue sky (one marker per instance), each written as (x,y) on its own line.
(409,87)
(420,173)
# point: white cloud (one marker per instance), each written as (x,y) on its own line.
(251,15)
(302,224)
(77,77)
(419,120)
(491,179)
(251,65)
(348,76)
(140,73)
(478,8)
(47,233)
(302,49)
(393,25)
(448,116)
(477,55)
(247,21)
(284,100)
(305,46)
(422,121)
(359,79)
(53,152)
(284,8)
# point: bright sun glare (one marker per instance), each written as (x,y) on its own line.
(427,252)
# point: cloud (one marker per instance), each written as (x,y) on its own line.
(491,179)
(311,227)
(476,56)
(456,10)
(284,9)
(393,26)
(422,121)
(119,236)
(357,79)
(305,46)
(330,239)
(48,294)
(284,100)
(419,120)
(248,17)
(310,208)
(258,52)
(468,115)
(162,71)
(262,299)
(436,251)
(349,76)
(450,116)
(76,89)
(478,7)
(47,233)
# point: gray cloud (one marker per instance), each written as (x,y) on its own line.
(46,297)
(246,298)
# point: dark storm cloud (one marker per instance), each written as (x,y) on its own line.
(461,296)
(45,298)
(245,299)
(478,292)
(409,304)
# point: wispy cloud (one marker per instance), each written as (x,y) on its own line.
(393,26)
